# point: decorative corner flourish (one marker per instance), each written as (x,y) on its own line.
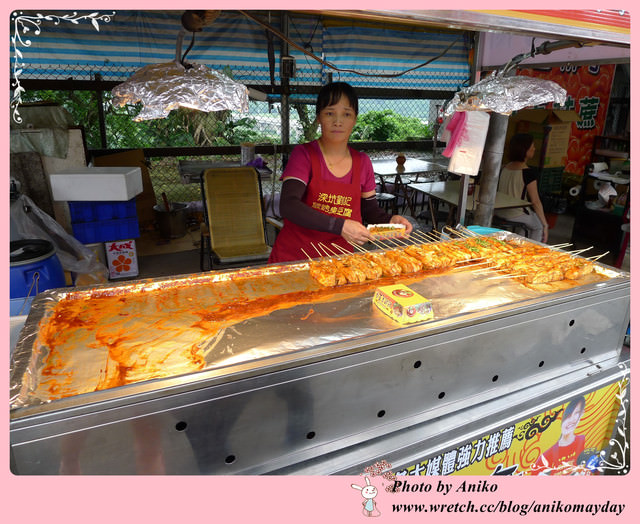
(25,24)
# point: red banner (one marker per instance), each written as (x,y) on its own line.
(588,91)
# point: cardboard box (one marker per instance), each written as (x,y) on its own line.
(551,130)
(122,259)
(402,304)
(96,184)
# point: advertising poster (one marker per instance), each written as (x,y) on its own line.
(568,439)
(588,91)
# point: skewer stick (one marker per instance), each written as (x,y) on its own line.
(378,244)
(358,247)
(598,257)
(470,267)
(454,231)
(578,251)
(470,233)
(325,248)
(341,249)
(433,237)
(305,254)
(442,236)
(506,276)
(561,246)
(422,237)
(323,252)
(488,267)
(398,242)
(475,264)
(387,242)
(317,250)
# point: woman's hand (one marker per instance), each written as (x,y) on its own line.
(355,232)
(398,219)
(545,233)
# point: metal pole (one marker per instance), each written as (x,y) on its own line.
(284,84)
(491,165)
(462,199)
(101,118)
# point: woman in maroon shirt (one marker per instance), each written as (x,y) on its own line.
(328,188)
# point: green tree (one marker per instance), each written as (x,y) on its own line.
(307,121)
(386,125)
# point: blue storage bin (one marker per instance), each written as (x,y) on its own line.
(34,267)
(82,212)
(106,230)
(97,211)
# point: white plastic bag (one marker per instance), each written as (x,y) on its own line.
(466,143)
(31,222)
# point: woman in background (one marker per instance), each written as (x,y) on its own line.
(521,181)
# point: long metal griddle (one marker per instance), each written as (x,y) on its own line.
(319,378)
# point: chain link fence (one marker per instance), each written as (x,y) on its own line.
(386,125)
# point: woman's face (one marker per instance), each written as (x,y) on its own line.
(337,121)
(531,151)
(570,423)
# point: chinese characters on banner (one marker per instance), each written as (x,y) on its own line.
(588,91)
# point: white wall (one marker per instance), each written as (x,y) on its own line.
(496,49)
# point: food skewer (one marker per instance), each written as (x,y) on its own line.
(578,251)
(455,231)
(371,270)
(528,262)
(321,271)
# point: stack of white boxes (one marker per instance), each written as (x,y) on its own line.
(90,191)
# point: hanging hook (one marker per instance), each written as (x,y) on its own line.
(182,60)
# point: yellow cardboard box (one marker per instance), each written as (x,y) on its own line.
(402,304)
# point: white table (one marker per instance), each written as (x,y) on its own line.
(405,175)
(449,193)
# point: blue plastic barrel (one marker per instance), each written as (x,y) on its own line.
(34,268)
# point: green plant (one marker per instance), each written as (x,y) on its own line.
(386,125)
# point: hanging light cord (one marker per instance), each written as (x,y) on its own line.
(184,56)
(330,65)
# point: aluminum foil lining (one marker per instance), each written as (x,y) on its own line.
(162,88)
(506,94)
(161,328)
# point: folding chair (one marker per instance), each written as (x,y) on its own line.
(234,227)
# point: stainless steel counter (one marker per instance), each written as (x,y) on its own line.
(320,378)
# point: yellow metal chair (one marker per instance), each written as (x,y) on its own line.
(234,227)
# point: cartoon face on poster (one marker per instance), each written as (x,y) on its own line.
(588,92)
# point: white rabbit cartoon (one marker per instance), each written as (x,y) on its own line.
(369,493)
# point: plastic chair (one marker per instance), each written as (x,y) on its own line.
(234,227)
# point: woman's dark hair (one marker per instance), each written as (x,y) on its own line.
(518,146)
(330,94)
(571,407)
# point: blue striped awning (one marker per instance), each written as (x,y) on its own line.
(82,44)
